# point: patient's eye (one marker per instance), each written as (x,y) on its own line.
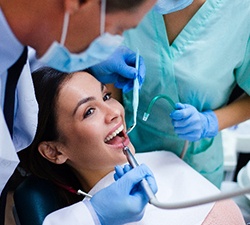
(107,96)
(89,112)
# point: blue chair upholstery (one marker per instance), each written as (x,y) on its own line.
(34,199)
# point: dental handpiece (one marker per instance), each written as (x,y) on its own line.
(185,204)
(132,161)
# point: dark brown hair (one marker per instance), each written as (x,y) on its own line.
(47,84)
(120,5)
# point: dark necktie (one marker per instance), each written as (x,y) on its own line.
(9,100)
(9,104)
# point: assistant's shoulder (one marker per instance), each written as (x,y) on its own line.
(238,6)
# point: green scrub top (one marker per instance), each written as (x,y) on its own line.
(201,67)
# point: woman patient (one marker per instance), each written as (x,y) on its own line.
(79,142)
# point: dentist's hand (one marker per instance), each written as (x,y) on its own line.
(119,69)
(124,200)
(189,124)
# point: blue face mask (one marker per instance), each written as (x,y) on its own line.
(168,6)
(59,57)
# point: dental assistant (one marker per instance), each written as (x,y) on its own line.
(67,35)
(195,56)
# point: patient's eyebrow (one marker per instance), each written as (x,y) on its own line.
(84,100)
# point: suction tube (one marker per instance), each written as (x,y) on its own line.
(150,106)
(170,101)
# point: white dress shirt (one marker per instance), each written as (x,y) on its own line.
(25,115)
(26,109)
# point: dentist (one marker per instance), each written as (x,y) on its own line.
(66,35)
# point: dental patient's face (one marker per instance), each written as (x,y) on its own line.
(91,125)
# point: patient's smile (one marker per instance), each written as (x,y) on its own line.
(114,134)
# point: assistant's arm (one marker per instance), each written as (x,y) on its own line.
(192,125)
(234,113)
(208,123)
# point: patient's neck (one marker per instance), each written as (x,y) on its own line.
(88,179)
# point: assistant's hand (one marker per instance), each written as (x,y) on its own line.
(189,124)
(119,69)
(124,200)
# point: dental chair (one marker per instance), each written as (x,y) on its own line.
(34,199)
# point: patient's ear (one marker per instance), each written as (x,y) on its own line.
(51,151)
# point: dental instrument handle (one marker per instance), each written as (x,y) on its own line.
(148,190)
(132,161)
(184,204)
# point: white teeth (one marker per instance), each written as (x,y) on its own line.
(111,136)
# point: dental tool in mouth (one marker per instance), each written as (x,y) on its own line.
(132,161)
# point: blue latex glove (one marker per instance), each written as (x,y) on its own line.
(119,69)
(124,200)
(189,124)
